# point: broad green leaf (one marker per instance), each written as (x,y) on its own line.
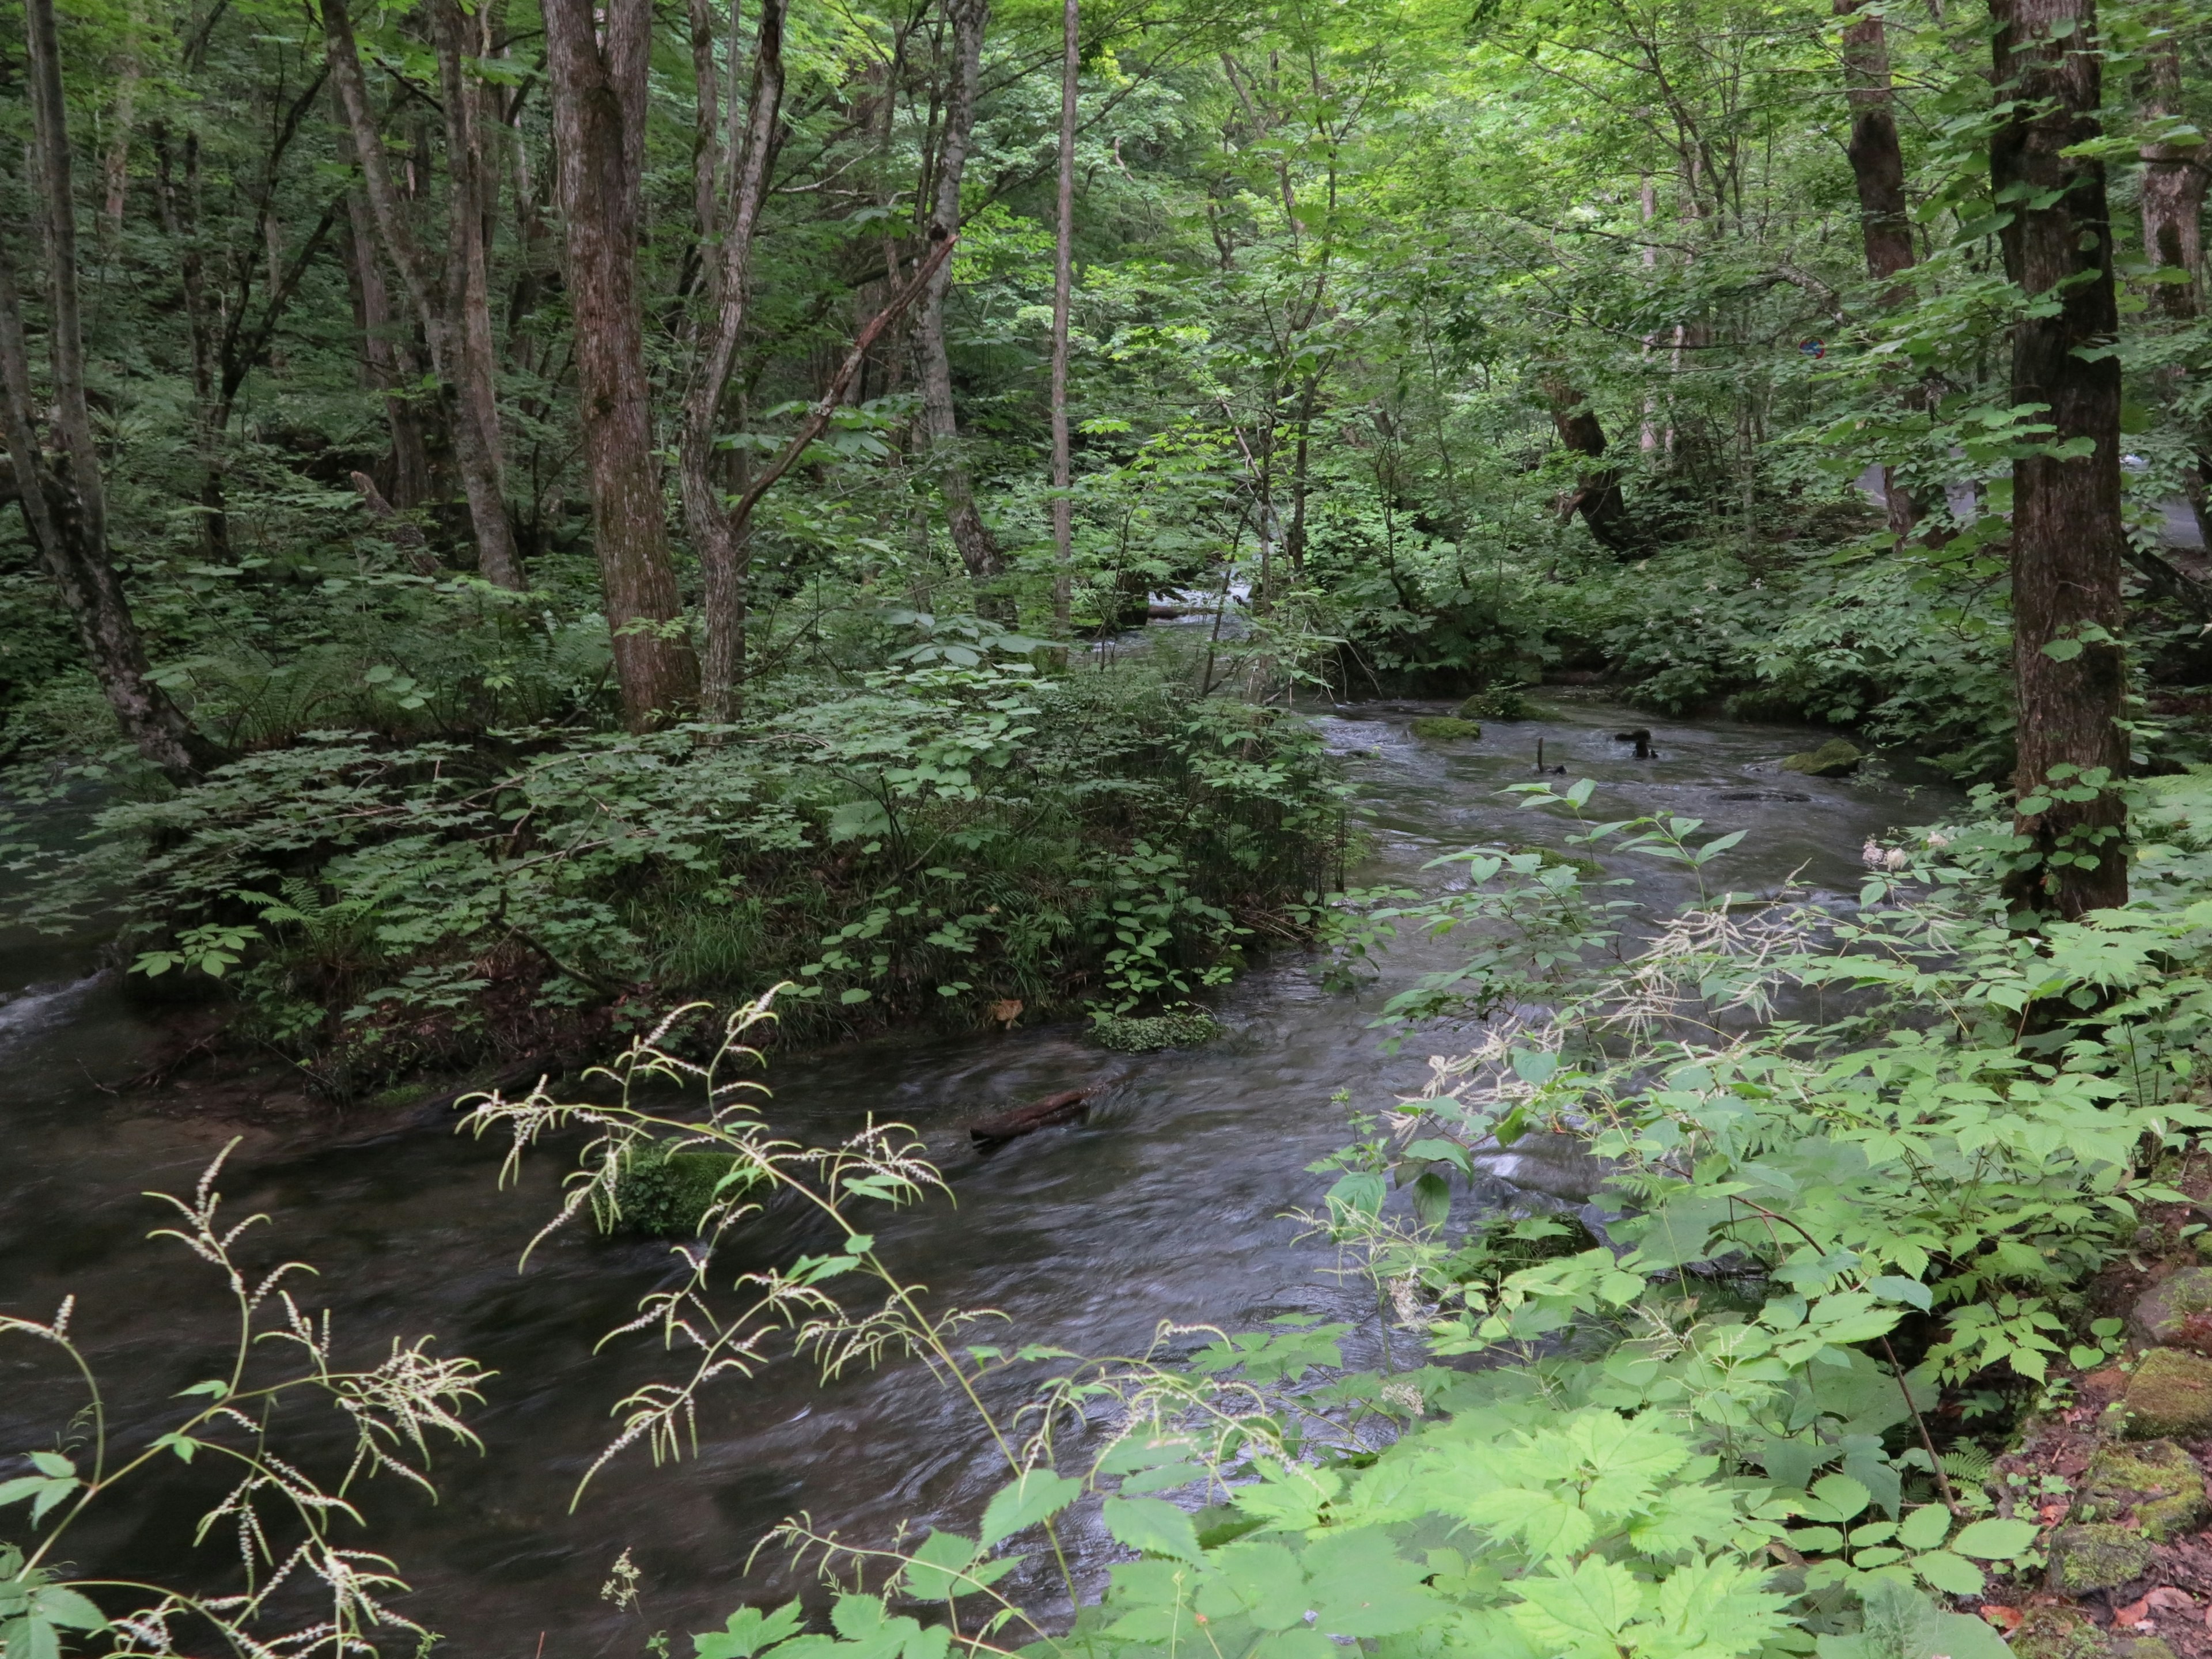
(747,1631)
(1993,1540)
(58,1604)
(1925,1528)
(1038,1495)
(1152,1525)
(931,1573)
(1952,1574)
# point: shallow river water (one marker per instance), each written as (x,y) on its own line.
(1167,1204)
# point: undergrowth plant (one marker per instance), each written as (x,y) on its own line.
(940,838)
(303,1585)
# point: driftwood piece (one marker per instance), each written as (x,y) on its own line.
(1063,1107)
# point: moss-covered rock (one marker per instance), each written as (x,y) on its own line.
(666,1193)
(1835,758)
(1495,702)
(1443,728)
(2096,1555)
(2140,1647)
(2058,1633)
(1134,1034)
(2176,1312)
(2170,1394)
(2156,1484)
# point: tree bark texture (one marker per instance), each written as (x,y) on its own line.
(599,120)
(2067,536)
(1063,291)
(720,541)
(979,549)
(1597,494)
(1878,169)
(60,494)
(2173,191)
(1877,161)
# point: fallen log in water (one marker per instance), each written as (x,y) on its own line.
(1062,1108)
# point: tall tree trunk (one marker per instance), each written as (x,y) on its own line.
(177,206)
(2067,535)
(1877,161)
(2172,198)
(1294,538)
(599,127)
(1597,494)
(115,166)
(454,314)
(1063,291)
(2173,193)
(1878,168)
(979,549)
(61,496)
(474,367)
(705,127)
(720,543)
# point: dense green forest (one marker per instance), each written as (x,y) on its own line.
(540,535)
(537,548)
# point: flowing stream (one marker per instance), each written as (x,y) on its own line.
(1168,1204)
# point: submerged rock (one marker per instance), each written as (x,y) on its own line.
(1443,728)
(1062,1108)
(1496,703)
(2170,1394)
(2176,1312)
(2156,1484)
(1836,758)
(2096,1555)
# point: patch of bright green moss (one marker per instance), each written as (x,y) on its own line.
(1443,728)
(666,1194)
(1133,1034)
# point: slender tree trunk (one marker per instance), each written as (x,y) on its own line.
(2067,535)
(598,127)
(381,368)
(706,130)
(979,549)
(474,367)
(1294,538)
(1878,169)
(454,313)
(177,206)
(115,166)
(721,544)
(61,496)
(1063,288)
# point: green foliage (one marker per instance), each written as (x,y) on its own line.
(667,1193)
(1136,1034)
(940,839)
